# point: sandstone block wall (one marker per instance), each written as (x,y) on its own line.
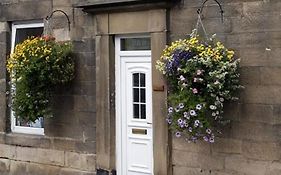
(251,144)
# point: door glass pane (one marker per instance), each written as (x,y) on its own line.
(136,80)
(129,44)
(143,111)
(136,111)
(142,95)
(136,95)
(142,80)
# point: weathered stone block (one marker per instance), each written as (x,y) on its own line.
(37,155)
(199,160)
(86,147)
(274,169)
(258,113)
(182,158)
(27,140)
(68,171)
(39,169)
(245,166)
(85,103)
(4,27)
(267,151)
(62,34)
(270,75)
(14,11)
(261,94)
(180,170)
(84,162)
(17,168)
(66,144)
(180,144)
(227,145)
(254,131)
(267,56)
(250,75)
(4,166)
(7,151)
(63,130)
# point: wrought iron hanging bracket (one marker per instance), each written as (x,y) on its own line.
(200,10)
(51,15)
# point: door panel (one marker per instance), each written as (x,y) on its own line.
(134,112)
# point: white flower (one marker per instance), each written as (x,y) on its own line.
(186,115)
(214,114)
(192,113)
(208,131)
(182,78)
(181,105)
(184,84)
(216,82)
(196,123)
(221,99)
(199,72)
(170,109)
(198,106)
(213,107)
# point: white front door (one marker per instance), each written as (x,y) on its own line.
(134,143)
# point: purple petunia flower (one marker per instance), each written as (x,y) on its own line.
(211,140)
(179,121)
(208,131)
(196,123)
(170,110)
(206,138)
(178,134)
(169,121)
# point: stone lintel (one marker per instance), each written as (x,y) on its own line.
(104,6)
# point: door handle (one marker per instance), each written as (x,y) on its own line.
(149,123)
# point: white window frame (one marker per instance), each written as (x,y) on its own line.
(14,127)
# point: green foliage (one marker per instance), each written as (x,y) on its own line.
(37,66)
(201,76)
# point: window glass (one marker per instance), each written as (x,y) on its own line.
(23,33)
(20,33)
(129,44)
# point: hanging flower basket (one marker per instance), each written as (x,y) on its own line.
(37,66)
(201,76)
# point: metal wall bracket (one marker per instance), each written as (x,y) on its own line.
(200,10)
(51,15)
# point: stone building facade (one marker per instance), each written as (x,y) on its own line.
(82,137)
